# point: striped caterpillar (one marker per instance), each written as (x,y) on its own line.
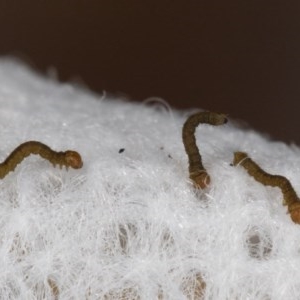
(198,173)
(290,197)
(68,158)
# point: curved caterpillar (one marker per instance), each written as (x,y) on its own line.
(198,173)
(67,158)
(290,197)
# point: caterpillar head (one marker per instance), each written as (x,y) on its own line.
(200,179)
(294,210)
(219,119)
(73,159)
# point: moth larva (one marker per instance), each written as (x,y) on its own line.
(290,197)
(198,173)
(67,158)
(54,288)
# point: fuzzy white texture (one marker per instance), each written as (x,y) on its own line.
(130,225)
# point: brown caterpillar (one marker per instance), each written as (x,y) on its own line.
(197,172)
(68,158)
(290,197)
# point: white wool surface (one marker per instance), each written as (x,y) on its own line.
(131,225)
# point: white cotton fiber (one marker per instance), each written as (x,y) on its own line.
(130,225)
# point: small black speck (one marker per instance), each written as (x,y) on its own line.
(231,165)
(121,150)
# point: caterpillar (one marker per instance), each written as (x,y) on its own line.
(290,197)
(67,158)
(198,173)
(54,288)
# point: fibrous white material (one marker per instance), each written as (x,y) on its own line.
(130,225)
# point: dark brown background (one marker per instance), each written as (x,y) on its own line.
(238,57)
